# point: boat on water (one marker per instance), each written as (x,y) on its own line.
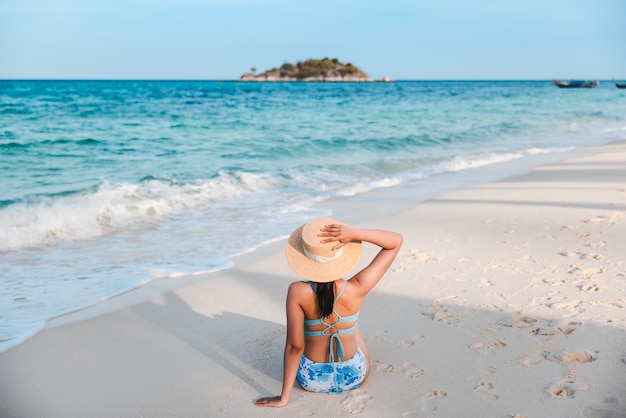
(576,84)
(619,85)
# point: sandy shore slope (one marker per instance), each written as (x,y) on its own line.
(507,299)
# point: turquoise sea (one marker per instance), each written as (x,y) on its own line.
(106,185)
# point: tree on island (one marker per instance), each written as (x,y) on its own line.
(325,69)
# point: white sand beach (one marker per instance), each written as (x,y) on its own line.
(507,300)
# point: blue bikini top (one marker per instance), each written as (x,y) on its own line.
(331,330)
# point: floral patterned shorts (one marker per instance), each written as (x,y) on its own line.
(332,377)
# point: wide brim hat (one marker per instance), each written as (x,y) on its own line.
(316,261)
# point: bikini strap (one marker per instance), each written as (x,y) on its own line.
(345,283)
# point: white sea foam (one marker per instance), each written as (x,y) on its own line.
(466,162)
(51,219)
(362,187)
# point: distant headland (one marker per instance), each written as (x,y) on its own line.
(312,70)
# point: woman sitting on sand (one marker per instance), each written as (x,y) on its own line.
(324,348)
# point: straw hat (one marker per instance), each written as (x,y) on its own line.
(317,261)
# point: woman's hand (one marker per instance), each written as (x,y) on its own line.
(338,232)
(272,402)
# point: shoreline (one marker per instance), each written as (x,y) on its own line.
(472,347)
(413,193)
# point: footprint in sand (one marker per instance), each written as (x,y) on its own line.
(532,359)
(591,256)
(413,257)
(611,218)
(589,287)
(554,282)
(484,390)
(521,321)
(596,220)
(442,315)
(488,346)
(556,328)
(545,298)
(404,344)
(446,317)
(412,371)
(523,247)
(572,306)
(485,283)
(590,271)
(566,389)
(598,244)
(585,273)
(581,356)
(356,402)
(581,255)
(428,403)
(382,367)
(434,394)
(617,303)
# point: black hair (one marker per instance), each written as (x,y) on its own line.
(325,298)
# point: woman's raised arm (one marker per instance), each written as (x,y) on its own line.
(388,241)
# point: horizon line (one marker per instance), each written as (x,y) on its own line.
(313,82)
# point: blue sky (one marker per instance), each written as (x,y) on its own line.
(221,39)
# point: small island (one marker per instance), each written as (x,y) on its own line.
(312,70)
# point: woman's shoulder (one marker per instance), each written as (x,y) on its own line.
(301,294)
(300,288)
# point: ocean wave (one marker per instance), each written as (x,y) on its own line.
(352,180)
(18,110)
(466,162)
(86,141)
(12,145)
(48,219)
(48,142)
